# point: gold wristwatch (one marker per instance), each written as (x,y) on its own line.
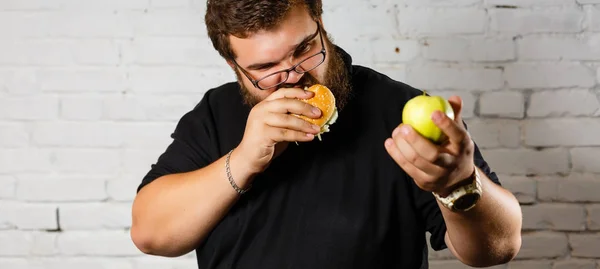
(464,197)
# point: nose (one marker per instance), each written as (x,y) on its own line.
(293,78)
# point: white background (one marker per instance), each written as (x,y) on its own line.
(90,91)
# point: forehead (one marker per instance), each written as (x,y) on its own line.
(274,44)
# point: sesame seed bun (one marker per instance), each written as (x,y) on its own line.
(324,100)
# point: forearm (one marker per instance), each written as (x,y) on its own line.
(174,213)
(488,234)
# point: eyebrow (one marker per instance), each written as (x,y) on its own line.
(307,39)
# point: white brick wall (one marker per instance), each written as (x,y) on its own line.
(90,91)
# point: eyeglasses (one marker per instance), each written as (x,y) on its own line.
(277,78)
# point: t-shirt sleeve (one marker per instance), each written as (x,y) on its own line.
(431,213)
(194,144)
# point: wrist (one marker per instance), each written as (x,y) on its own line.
(462,181)
(241,171)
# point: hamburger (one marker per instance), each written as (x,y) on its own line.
(325,101)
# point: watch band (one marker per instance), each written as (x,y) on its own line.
(465,197)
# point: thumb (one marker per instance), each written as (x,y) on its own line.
(457,105)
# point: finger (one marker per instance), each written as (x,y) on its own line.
(423,180)
(426,149)
(293,106)
(291,93)
(282,134)
(287,121)
(414,158)
(457,106)
(455,132)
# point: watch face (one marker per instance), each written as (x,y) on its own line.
(466,201)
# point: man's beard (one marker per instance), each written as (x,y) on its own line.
(336,78)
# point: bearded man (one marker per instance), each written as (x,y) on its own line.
(235,188)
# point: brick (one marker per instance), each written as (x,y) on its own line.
(104,5)
(8,187)
(11,5)
(524,161)
(543,76)
(95,216)
(375,20)
(593,221)
(502,104)
(60,24)
(13,135)
(82,107)
(492,49)
(19,107)
(573,188)
(34,52)
(446,49)
(184,50)
(556,217)
(432,22)
(435,3)
(166,22)
(468,99)
(80,134)
(523,188)
(585,245)
(575,264)
(530,264)
(495,133)
(91,79)
(98,243)
(136,161)
(474,49)
(25,216)
(67,263)
(563,103)
(25,160)
(593,18)
(565,132)
(149,107)
(88,161)
(25,243)
(585,159)
(18,80)
(176,79)
(584,2)
(40,188)
(536,245)
(153,262)
(387,50)
(96,51)
(530,21)
(123,188)
(435,77)
(169,3)
(156,135)
(583,48)
(529,3)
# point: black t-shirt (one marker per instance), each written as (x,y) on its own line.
(337,203)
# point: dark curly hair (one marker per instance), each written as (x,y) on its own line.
(242,18)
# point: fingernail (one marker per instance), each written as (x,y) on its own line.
(437,116)
(316,111)
(405,130)
(388,142)
(310,135)
(316,127)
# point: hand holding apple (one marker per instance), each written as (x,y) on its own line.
(432,144)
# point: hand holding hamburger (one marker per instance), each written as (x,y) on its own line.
(287,115)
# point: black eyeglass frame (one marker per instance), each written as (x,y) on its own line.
(287,71)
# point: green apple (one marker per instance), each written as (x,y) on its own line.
(417,113)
